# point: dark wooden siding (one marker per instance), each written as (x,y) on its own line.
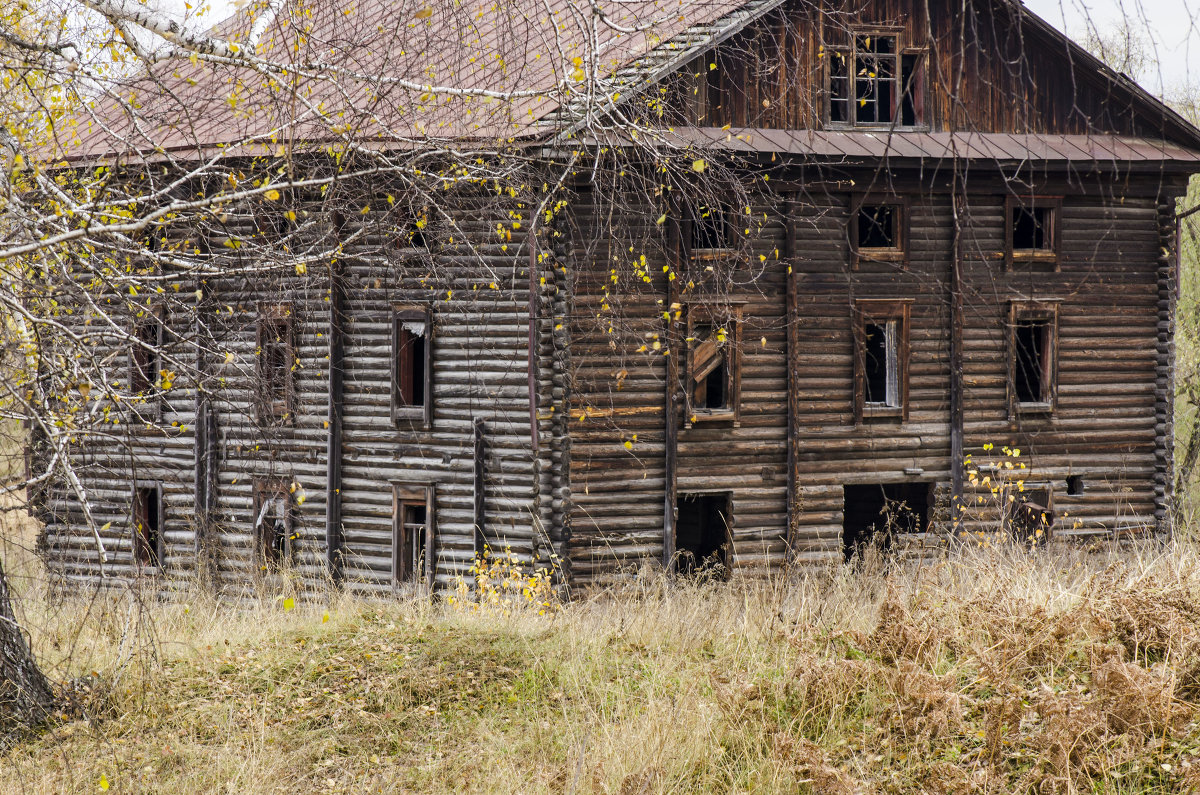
(986,72)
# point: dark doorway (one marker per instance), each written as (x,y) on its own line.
(875,513)
(702,534)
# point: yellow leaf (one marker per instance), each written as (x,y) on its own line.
(699,166)
(272,195)
(325,617)
(628,445)
(661,219)
(288,604)
(103,782)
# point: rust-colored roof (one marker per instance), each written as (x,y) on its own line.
(351,51)
(874,145)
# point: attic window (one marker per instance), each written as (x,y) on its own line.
(872,81)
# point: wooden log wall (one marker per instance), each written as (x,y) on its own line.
(598,490)
(477,282)
(1107,428)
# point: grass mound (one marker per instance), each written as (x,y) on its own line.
(991,672)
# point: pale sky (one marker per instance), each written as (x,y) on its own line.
(1171,27)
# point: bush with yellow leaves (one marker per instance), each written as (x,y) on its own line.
(502,586)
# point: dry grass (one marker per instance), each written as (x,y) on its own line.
(996,671)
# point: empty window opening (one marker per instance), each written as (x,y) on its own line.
(273,530)
(409,549)
(1032,229)
(1029,514)
(146,355)
(710,375)
(881,382)
(414,232)
(710,228)
(1032,341)
(147,530)
(1075,485)
(702,537)
(874,514)
(877,226)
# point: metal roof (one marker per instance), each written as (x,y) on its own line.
(874,145)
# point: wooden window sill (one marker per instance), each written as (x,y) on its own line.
(873,412)
(881,255)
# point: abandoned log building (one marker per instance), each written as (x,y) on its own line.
(940,228)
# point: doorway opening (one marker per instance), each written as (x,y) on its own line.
(702,538)
(875,513)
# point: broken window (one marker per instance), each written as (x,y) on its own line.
(702,534)
(274,531)
(872,81)
(873,514)
(412,370)
(147,526)
(712,358)
(276,362)
(145,355)
(881,363)
(878,230)
(1032,229)
(1032,368)
(412,534)
(881,358)
(710,228)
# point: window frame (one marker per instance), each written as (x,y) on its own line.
(917,87)
(149,383)
(153,562)
(1032,311)
(1045,256)
(402,237)
(882,310)
(400,412)
(691,217)
(698,314)
(281,411)
(898,254)
(270,489)
(408,493)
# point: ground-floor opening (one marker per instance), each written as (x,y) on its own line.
(875,513)
(702,537)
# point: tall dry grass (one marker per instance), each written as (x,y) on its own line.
(993,671)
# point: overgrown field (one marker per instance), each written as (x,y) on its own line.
(995,671)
